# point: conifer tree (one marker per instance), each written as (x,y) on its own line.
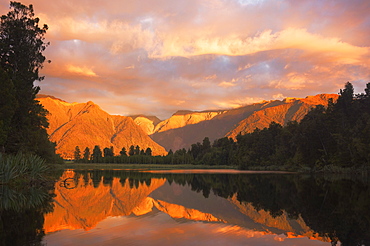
(97,154)
(108,152)
(148,151)
(77,154)
(131,152)
(123,152)
(137,150)
(86,154)
(21,45)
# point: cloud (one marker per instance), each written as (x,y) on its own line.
(236,45)
(84,71)
(163,56)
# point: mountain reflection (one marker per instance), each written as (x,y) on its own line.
(323,209)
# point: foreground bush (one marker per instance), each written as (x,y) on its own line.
(22,168)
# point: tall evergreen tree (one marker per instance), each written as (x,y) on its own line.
(123,152)
(21,58)
(137,150)
(77,154)
(131,151)
(97,154)
(7,107)
(108,152)
(86,156)
(148,151)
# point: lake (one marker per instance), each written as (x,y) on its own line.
(123,207)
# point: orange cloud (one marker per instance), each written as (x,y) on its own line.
(235,103)
(237,45)
(226,84)
(162,56)
(84,71)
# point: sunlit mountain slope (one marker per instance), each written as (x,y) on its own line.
(87,125)
(240,120)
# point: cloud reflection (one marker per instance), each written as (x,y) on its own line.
(160,229)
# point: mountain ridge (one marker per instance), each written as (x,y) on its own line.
(240,120)
(87,125)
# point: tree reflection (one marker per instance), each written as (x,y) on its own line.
(333,206)
(22,214)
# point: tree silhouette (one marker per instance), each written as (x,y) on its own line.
(148,151)
(131,151)
(97,154)
(21,58)
(86,154)
(77,154)
(123,152)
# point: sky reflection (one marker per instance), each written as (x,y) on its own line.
(161,229)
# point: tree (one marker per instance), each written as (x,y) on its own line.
(137,150)
(367,90)
(131,152)
(97,154)
(108,152)
(21,58)
(86,154)
(123,152)
(206,144)
(7,106)
(77,154)
(148,151)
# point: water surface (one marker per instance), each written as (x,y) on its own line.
(140,208)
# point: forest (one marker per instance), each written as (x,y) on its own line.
(327,139)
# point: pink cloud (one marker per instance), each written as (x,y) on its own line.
(157,57)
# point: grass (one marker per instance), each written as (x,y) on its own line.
(82,166)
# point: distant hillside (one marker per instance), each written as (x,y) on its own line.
(240,120)
(147,123)
(292,109)
(87,125)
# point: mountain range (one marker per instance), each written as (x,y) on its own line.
(87,125)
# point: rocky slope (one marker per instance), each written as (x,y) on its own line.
(293,109)
(147,123)
(87,125)
(184,118)
(240,120)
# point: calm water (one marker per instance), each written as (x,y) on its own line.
(140,208)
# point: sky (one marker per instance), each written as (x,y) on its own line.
(155,57)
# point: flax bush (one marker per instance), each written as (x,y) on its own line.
(21,168)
